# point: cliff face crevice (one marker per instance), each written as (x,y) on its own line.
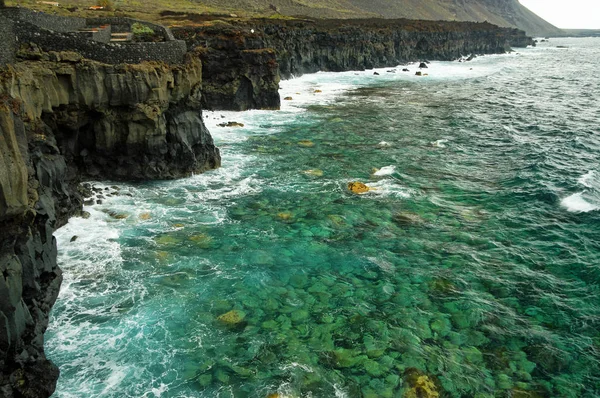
(64,119)
(244,62)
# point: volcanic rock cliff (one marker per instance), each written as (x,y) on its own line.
(63,118)
(243,61)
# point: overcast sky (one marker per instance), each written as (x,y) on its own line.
(567,14)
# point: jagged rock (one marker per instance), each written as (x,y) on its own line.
(231,124)
(423,65)
(376,74)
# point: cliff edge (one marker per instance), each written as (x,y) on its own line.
(64,119)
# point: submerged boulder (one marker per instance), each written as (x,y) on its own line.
(232,318)
(420,385)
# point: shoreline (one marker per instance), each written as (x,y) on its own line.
(67,119)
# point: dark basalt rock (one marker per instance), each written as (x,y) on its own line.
(60,123)
(243,60)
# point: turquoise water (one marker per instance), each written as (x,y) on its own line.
(473,265)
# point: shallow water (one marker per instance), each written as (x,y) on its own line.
(474,260)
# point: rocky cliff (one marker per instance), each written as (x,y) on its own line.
(63,119)
(243,61)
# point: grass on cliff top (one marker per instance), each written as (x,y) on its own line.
(195,12)
(166,12)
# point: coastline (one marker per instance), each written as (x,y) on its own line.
(46,165)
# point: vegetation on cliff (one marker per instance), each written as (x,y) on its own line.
(508,13)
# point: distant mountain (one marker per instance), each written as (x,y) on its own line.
(499,12)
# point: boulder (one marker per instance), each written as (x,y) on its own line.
(358,187)
(231,124)
(232,318)
(423,65)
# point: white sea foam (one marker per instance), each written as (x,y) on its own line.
(385,171)
(589,180)
(439,143)
(386,187)
(577,203)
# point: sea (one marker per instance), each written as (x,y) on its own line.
(470,267)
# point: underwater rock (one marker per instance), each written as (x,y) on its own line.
(318,91)
(314,172)
(205,380)
(358,187)
(407,218)
(145,216)
(232,318)
(419,385)
(306,143)
(166,240)
(202,240)
(285,215)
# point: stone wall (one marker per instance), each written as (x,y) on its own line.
(171,52)
(56,33)
(122,24)
(56,23)
(7,38)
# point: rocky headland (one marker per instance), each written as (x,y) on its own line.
(243,61)
(65,119)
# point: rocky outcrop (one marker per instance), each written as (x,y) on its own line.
(244,61)
(240,71)
(63,119)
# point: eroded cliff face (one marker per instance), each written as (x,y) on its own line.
(257,52)
(63,119)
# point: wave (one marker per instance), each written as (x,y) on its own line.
(589,180)
(385,171)
(589,199)
(577,203)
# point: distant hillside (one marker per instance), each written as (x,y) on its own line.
(499,12)
(508,13)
